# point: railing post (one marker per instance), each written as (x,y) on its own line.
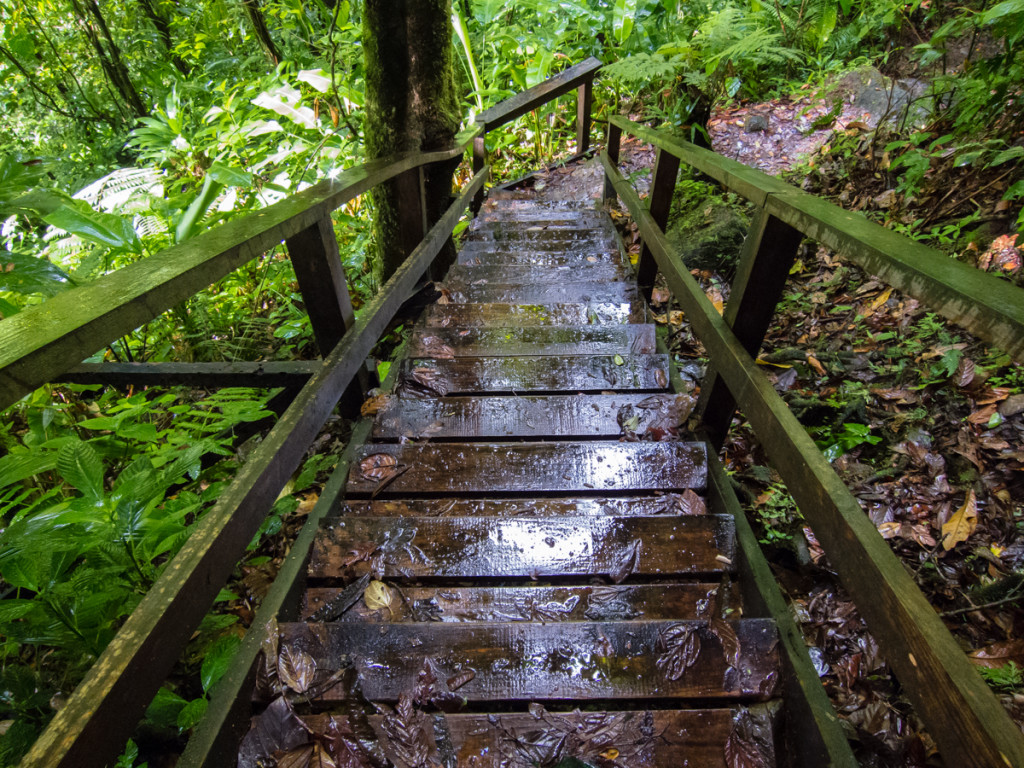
(663,186)
(611,147)
(584,104)
(767,256)
(412,214)
(479,161)
(317,263)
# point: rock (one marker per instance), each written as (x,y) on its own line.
(755,123)
(1012,405)
(887,199)
(903,103)
(707,233)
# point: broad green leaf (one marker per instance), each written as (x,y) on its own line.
(998,12)
(228,176)
(826,22)
(188,225)
(622,19)
(106,229)
(191,714)
(217,660)
(80,465)
(164,709)
(15,467)
(25,274)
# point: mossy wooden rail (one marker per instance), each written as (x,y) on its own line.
(47,343)
(959,710)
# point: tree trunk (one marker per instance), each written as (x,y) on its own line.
(411,104)
(88,14)
(259,25)
(163,28)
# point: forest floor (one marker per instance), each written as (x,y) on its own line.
(923,422)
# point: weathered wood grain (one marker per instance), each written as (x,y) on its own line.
(603,467)
(478,315)
(536,374)
(565,341)
(539,292)
(663,504)
(526,416)
(588,272)
(619,602)
(524,548)
(528,100)
(554,662)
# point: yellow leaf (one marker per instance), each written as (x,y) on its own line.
(610,754)
(377,596)
(882,298)
(961,524)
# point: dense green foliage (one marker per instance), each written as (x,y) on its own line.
(132,125)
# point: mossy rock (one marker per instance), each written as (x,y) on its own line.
(706,229)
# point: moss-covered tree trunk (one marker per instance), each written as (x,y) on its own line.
(411,104)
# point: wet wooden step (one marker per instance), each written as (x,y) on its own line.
(478,257)
(554,467)
(461,292)
(525,315)
(535,374)
(668,738)
(672,504)
(564,341)
(571,220)
(524,548)
(589,416)
(568,661)
(578,253)
(585,272)
(619,602)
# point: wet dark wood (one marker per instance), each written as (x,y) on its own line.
(524,548)
(584,104)
(540,292)
(524,416)
(266,375)
(614,602)
(643,739)
(538,374)
(613,139)
(526,258)
(92,727)
(602,467)
(315,257)
(564,341)
(663,187)
(768,254)
(664,504)
(586,271)
(475,315)
(959,709)
(554,662)
(528,100)
(496,220)
(538,235)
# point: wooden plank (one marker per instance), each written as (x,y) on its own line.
(525,416)
(536,374)
(604,250)
(481,256)
(317,263)
(539,292)
(497,314)
(496,219)
(43,341)
(572,661)
(768,254)
(619,602)
(642,738)
(814,734)
(584,105)
(958,708)
(603,467)
(90,730)
(531,98)
(527,235)
(266,374)
(613,140)
(672,504)
(585,271)
(566,341)
(663,187)
(525,548)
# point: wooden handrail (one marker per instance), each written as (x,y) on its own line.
(538,95)
(959,710)
(42,342)
(990,308)
(92,727)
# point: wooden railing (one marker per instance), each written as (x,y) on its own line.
(47,342)
(960,712)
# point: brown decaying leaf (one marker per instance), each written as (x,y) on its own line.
(964,374)
(691,504)
(377,596)
(306,756)
(408,742)
(435,347)
(627,562)
(726,635)
(362,551)
(378,466)
(660,378)
(460,679)
(962,524)
(373,405)
(296,669)
(680,646)
(999,654)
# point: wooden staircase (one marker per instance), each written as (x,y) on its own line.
(523,571)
